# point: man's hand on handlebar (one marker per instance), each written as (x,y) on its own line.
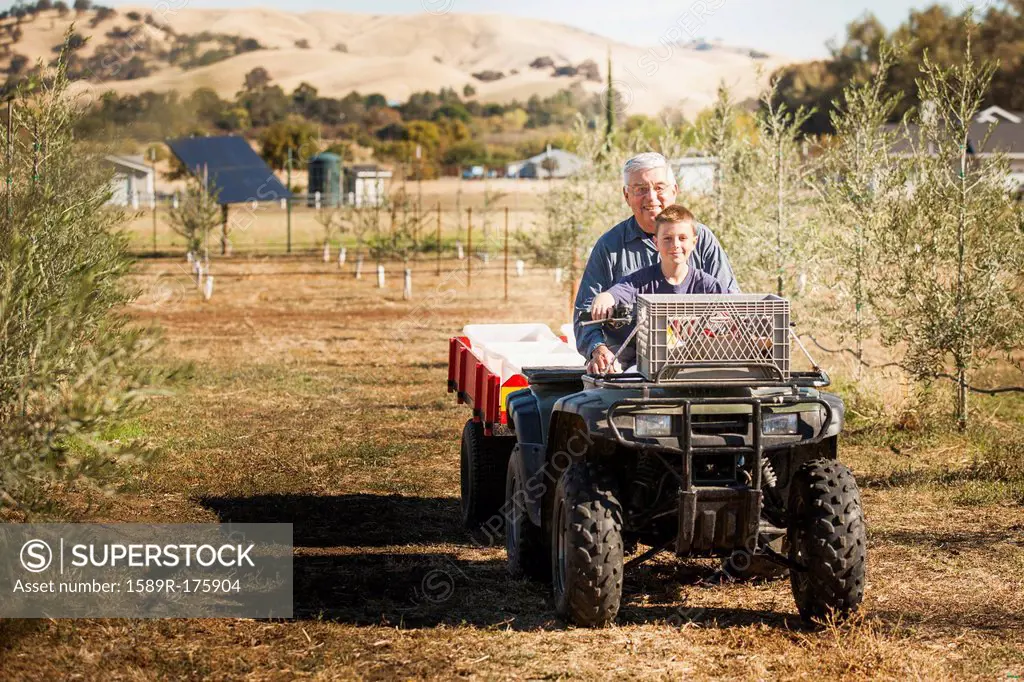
(602,361)
(602,307)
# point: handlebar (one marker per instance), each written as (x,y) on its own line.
(622,315)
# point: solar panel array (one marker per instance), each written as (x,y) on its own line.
(236,174)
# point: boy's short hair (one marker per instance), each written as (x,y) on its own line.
(674,214)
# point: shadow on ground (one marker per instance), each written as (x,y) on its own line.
(982,538)
(429,589)
(385,585)
(349,520)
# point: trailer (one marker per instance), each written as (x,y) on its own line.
(486,365)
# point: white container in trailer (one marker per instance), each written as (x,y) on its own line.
(497,355)
(568,333)
(482,334)
(515,360)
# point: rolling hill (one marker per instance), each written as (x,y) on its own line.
(395,55)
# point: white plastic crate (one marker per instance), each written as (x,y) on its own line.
(711,337)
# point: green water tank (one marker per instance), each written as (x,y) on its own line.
(325,177)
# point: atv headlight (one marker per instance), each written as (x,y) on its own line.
(652,425)
(779,424)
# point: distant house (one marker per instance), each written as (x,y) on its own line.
(695,174)
(562,164)
(132,184)
(364,184)
(1005,132)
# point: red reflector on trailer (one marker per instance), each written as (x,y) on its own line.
(514,383)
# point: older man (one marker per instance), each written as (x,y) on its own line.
(648,187)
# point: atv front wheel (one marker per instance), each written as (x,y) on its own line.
(482,465)
(586,547)
(827,539)
(524,542)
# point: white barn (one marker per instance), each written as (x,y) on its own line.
(364,184)
(695,174)
(565,164)
(133,181)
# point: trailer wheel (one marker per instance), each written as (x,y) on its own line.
(586,547)
(524,542)
(827,536)
(482,464)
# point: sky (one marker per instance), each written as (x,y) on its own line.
(795,28)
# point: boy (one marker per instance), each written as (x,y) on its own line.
(675,238)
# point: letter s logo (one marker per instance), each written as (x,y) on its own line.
(36,556)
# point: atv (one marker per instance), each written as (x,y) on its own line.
(711,447)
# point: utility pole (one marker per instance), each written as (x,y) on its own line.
(419,182)
(224,230)
(289,200)
(10,160)
(439,238)
(152,197)
(609,106)
(506,254)
(469,246)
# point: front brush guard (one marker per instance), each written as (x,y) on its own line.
(717,519)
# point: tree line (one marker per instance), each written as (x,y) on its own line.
(449,128)
(935,33)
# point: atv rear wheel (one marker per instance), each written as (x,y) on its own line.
(482,465)
(524,542)
(586,547)
(827,536)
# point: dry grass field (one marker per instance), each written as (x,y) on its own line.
(313,398)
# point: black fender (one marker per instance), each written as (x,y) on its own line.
(835,427)
(591,409)
(524,416)
(548,442)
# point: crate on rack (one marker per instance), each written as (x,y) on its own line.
(727,337)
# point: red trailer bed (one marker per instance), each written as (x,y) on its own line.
(474,384)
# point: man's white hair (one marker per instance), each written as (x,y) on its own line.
(647,161)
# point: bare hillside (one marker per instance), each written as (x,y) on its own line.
(391,54)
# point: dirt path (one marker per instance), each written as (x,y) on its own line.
(320,400)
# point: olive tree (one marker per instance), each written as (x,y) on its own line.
(580,208)
(777,242)
(72,367)
(196,215)
(861,184)
(954,252)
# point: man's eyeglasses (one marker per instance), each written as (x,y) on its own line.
(661,189)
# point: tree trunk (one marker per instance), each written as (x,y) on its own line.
(962,343)
(961,399)
(779,210)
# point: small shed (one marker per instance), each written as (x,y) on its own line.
(555,163)
(364,184)
(132,183)
(325,178)
(695,174)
